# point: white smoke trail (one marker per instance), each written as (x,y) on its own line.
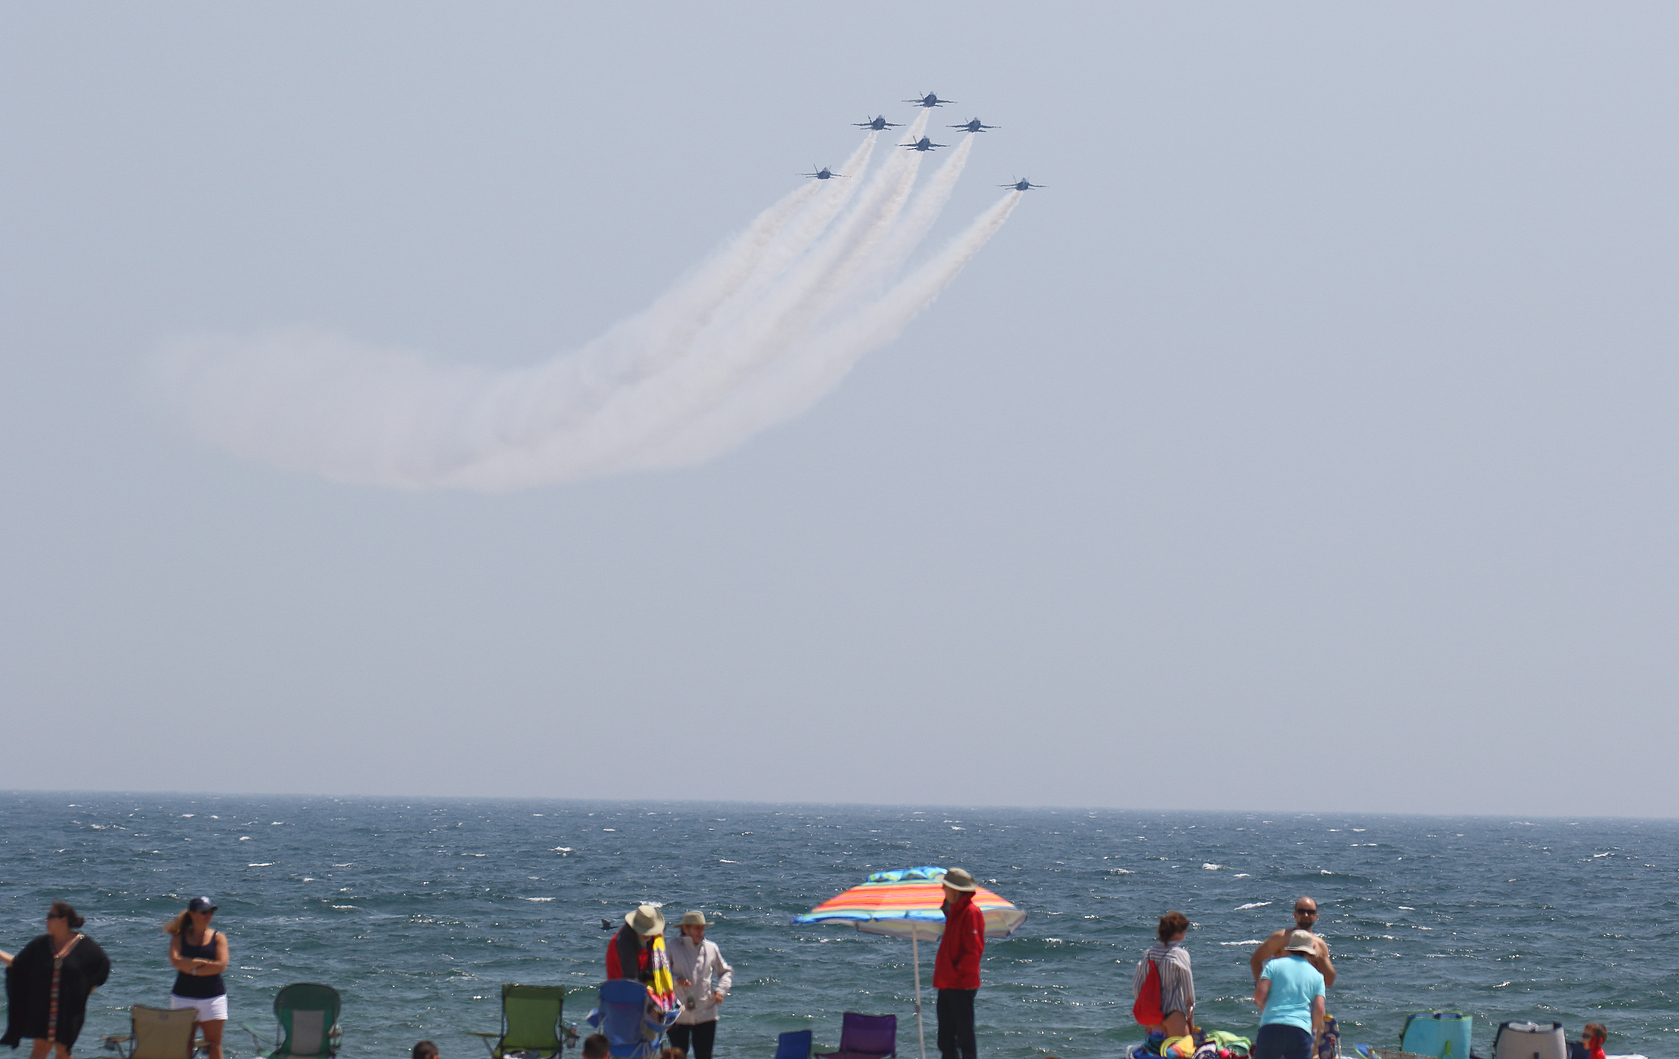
(903,237)
(798,381)
(642,417)
(751,337)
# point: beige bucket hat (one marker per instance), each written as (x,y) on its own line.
(646,920)
(694,919)
(957,879)
(1301,941)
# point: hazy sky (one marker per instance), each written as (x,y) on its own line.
(1308,442)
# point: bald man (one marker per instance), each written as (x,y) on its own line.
(1305,918)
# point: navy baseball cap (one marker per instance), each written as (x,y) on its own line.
(200,904)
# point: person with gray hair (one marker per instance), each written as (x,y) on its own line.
(703,979)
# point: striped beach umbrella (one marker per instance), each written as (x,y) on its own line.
(909,904)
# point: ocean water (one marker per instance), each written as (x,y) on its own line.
(418,910)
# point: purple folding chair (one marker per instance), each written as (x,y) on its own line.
(865,1037)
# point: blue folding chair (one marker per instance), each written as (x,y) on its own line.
(794,1044)
(631,1029)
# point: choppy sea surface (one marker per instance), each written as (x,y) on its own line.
(418,910)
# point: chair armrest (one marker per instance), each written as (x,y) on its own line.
(256,1042)
(486,1036)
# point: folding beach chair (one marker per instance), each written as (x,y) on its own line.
(1437,1034)
(794,1044)
(155,1033)
(530,1023)
(307,1014)
(1530,1040)
(865,1037)
(622,1014)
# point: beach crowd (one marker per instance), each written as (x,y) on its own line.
(49,980)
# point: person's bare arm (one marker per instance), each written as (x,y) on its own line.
(1317,1016)
(208,968)
(1320,960)
(1268,949)
(1261,990)
(5,957)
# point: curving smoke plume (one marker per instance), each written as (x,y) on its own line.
(760,331)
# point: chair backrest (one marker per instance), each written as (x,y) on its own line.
(308,1014)
(869,1034)
(530,1016)
(162,1034)
(1530,1040)
(623,1013)
(1441,1034)
(794,1044)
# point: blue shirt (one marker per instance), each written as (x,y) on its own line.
(1294,984)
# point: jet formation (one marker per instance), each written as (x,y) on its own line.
(925,143)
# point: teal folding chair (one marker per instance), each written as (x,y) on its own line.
(307,1013)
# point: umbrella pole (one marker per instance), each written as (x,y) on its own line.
(915,956)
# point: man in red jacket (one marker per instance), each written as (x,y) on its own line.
(956,971)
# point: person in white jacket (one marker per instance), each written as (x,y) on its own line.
(703,978)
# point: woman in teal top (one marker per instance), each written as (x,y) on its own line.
(1290,994)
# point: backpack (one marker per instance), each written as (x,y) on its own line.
(1146,1010)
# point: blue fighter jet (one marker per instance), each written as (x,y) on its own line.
(1021,185)
(823,174)
(931,99)
(974,126)
(877,124)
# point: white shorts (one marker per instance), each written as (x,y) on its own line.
(210,1008)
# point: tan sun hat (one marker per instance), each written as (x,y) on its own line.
(957,879)
(694,919)
(1301,941)
(646,920)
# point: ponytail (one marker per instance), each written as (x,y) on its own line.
(179,924)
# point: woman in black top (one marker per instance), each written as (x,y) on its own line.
(47,985)
(199,956)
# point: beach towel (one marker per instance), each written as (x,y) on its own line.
(662,989)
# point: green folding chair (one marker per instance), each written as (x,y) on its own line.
(308,1018)
(530,1023)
